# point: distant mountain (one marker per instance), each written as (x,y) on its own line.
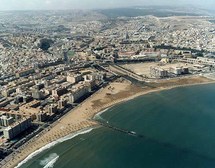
(159,11)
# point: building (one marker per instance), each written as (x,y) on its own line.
(5,121)
(158,72)
(30,109)
(52,109)
(79,92)
(25,72)
(187,54)
(18,99)
(37,94)
(62,103)
(176,70)
(41,117)
(59,91)
(126,54)
(74,78)
(39,86)
(185,70)
(179,70)
(200,61)
(6,92)
(18,127)
(89,77)
(5,102)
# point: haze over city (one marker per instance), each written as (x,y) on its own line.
(92,4)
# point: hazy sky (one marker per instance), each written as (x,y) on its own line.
(89,4)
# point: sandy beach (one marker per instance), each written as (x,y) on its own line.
(81,116)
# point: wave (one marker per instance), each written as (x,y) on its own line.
(68,137)
(49,161)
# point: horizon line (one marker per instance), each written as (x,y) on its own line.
(117,7)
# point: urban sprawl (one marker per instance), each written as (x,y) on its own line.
(51,61)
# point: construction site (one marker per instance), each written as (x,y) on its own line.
(149,71)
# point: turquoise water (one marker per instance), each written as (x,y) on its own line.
(176,128)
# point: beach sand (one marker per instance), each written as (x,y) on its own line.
(81,116)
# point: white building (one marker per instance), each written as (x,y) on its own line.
(74,78)
(199,60)
(17,128)
(5,121)
(158,72)
(79,92)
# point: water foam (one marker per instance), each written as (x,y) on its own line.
(98,115)
(53,144)
(49,161)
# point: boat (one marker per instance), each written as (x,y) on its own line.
(132,133)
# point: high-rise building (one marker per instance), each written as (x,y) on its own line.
(74,78)
(5,121)
(18,127)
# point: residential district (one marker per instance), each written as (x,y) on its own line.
(52,61)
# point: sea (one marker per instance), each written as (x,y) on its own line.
(168,129)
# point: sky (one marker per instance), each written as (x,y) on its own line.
(93,4)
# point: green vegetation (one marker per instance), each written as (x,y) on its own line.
(71,53)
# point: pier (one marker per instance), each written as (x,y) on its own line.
(124,131)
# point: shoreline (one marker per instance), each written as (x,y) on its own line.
(88,117)
(105,109)
(52,144)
